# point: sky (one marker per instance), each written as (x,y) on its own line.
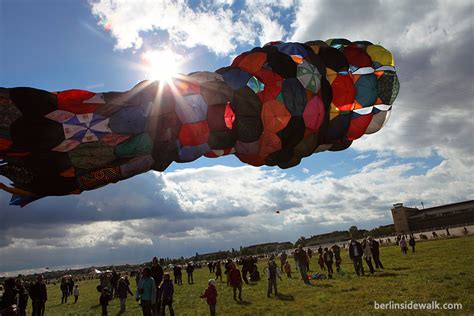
(424,153)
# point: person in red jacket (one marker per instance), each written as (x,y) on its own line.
(211,295)
(235,280)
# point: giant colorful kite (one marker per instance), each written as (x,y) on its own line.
(273,106)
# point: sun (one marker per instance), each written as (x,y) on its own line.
(161,64)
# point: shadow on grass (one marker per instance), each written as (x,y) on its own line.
(96,306)
(323,285)
(352,289)
(400,268)
(252,283)
(388,274)
(244,303)
(285,297)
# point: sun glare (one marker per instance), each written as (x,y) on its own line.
(161,64)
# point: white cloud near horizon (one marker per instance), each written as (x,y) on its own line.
(223,207)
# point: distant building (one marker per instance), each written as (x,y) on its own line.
(409,219)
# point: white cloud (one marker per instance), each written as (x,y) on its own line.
(211,24)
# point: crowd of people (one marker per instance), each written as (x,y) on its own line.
(154,288)
(16,294)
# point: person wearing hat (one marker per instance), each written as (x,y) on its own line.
(211,296)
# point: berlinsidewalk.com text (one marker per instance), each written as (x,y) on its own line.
(410,305)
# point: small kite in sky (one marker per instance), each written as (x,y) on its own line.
(274,105)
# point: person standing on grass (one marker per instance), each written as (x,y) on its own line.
(104,299)
(309,258)
(227,265)
(39,296)
(235,280)
(288,269)
(157,275)
(412,243)
(355,253)
(210,294)
(374,247)
(247,265)
(328,260)
(218,268)
(64,290)
(321,262)
(178,274)
(105,280)
(138,276)
(146,292)
(301,258)
(22,297)
(175,273)
(166,294)
(75,292)
(367,255)
(9,298)
(189,271)
(123,289)
(113,283)
(403,245)
(336,250)
(70,286)
(283,258)
(272,273)
(295,257)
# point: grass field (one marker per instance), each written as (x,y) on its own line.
(440,270)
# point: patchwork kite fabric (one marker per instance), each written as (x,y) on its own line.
(274,105)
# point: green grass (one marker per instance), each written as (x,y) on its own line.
(440,270)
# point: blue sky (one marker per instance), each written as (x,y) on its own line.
(423,154)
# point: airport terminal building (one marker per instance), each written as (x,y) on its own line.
(412,219)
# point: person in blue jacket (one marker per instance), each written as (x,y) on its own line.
(146,292)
